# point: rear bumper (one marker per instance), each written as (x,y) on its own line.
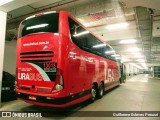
(55,99)
(43,99)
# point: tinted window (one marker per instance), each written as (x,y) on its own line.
(44,23)
(86,41)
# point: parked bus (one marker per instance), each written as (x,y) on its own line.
(61,63)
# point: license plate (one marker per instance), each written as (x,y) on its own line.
(32,98)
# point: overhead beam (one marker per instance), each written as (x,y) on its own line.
(16,4)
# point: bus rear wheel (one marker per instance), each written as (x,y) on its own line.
(101,90)
(93,93)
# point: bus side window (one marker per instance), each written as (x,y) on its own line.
(87,41)
(106,53)
(74,31)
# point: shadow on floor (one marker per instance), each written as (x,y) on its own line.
(8,98)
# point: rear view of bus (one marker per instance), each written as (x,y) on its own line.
(38,77)
(61,63)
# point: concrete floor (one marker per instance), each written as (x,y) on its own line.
(139,93)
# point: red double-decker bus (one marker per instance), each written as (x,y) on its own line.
(61,63)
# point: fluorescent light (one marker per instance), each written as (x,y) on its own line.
(138,56)
(3,2)
(141,60)
(117,26)
(124,60)
(99,45)
(37,26)
(81,33)
(109,52)
(115,55)
(128,41)
(136,53)
(133,49)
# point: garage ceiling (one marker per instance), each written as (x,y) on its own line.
(142,24)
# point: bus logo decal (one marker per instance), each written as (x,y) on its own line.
(40,70)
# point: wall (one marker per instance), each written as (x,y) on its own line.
(9,64)
(3,17)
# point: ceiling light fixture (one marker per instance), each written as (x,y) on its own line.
(124,60)
(3,2)
(141,60)
(138,56)
(127,41)
(117,26)
(133,49)
(136,53)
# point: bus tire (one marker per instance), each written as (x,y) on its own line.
(101,90)
(93,93)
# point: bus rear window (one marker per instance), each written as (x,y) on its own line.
(43,23)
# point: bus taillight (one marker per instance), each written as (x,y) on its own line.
(59,81)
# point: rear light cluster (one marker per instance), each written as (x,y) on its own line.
(59,85)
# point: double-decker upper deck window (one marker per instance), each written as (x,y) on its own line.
(43,23)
